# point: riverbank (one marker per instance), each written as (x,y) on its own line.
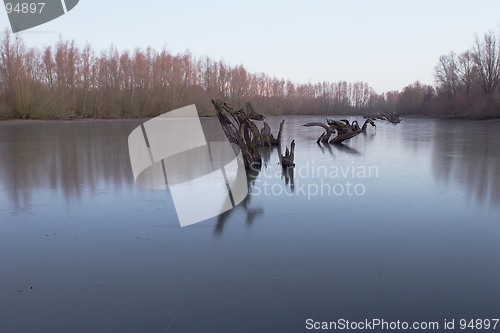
(17,120)
(74,120)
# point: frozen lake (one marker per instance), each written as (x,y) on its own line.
(400,223)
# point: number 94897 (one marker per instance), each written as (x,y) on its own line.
(478,324)
(24,8)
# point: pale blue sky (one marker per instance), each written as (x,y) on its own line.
(388,44)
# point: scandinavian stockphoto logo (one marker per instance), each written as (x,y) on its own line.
(25,14)
(204,172)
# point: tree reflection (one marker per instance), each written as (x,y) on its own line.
(266,153)
(346,149)
(469,154)
(287,174)
(325,147)
(65,157)
(251,213)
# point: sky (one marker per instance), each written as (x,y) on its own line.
(388,44)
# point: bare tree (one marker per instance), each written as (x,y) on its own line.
(466,72)
(446,74)
(486,56)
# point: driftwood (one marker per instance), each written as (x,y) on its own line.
(392,118)
(237,126)
(240,130)
(287,159)
(343,128)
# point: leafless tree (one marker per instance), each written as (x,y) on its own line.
(486,56)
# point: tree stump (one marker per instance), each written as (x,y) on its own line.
(240,130)
(287,159)
(268,138)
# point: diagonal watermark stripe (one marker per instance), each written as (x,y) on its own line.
(204,178)
(28,14)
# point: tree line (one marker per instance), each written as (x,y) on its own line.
(66,81)
(466,85)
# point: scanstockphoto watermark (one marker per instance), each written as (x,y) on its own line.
(312,180)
